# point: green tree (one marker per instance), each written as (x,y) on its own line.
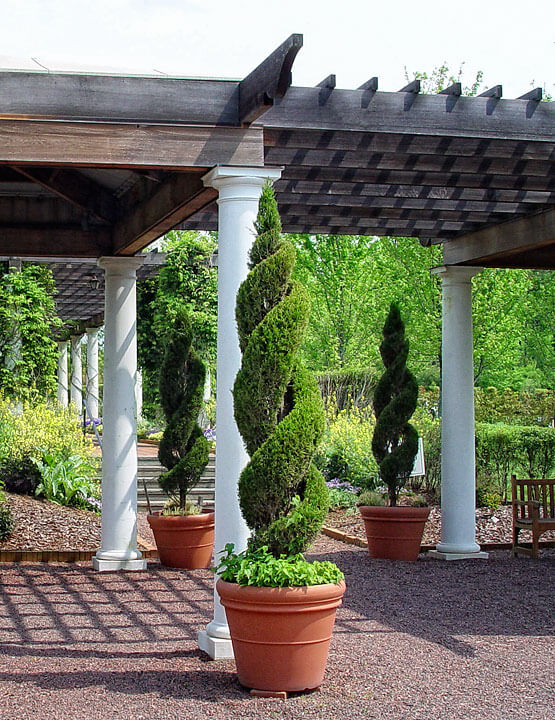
(277,403)
(189,280)
(336,270)
(28,354)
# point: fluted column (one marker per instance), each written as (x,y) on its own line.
(458,481)
(119,449)
(239,191)
(62,394)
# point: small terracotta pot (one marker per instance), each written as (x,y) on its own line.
(394,533)
(184,541)
(280,636)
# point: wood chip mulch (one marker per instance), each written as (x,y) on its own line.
(43,525)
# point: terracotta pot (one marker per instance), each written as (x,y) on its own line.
(394,533)
(184,541)
(280,636)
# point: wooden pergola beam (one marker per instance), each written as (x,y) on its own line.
(403,144)
(491,243)
(417,161)
(112,98)
(357,202)
(76,189)
(23,241)
(127,145)
(426,114)
(409,177)
(173,202)
(421,192)
(269,81)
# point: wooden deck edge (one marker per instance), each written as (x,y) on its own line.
(359,542)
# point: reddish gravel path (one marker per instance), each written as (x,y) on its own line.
(420,641)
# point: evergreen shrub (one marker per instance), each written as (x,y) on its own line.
(183,448)
(277,403)
(395,440)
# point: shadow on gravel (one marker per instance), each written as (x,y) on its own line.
(209,685)
(442,602)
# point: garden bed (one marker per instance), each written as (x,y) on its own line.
(42,525)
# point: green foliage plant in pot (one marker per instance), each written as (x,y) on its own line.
(184,534)
(394,532)
(280,607)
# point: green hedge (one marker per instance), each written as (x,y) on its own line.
(501,449)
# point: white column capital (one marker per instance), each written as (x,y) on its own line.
(123,266)
(92,330)
(62,345)
(456,274)
(235,183)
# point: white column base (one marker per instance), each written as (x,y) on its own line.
(217,648)
(439,555)
(103,565)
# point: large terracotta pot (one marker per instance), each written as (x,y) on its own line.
(184,541)
(280,636)
(394,533)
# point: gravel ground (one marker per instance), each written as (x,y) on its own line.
(413,641)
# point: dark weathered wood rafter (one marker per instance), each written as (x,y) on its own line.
(76,189)
(408,161)
(172,202)
(422,192)
(439,167)
(409,177)
(269,81)
(405,144)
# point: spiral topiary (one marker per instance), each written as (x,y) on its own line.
(183,448)
(395,441)
(277,403)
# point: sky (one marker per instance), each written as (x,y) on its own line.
(511,41)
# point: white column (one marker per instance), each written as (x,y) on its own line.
(458,473)
(119,451)
(91,378)
(76,388)
(62,374)
(239,191)
(139,393)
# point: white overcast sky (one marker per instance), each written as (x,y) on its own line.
(512,41)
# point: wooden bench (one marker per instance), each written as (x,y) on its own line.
(533,509)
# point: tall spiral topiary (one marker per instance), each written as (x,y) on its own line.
(395,441)
(183,448)
(278,408)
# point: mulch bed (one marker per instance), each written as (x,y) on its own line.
(43,525)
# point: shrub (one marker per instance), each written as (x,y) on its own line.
(346,451)
(371,497)
(6,521)
(278,408)
(183,448)
(35,429)
(395,440)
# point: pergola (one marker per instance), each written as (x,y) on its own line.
(98,166)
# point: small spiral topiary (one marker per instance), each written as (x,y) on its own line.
(278,408)
(395,441)
(183,448)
